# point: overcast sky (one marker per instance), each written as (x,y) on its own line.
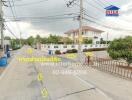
(26,9)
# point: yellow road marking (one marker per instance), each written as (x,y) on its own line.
(40,76)
(30,50)
(89,54)
(72,55)
(44,93)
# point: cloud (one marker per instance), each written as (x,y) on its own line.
(54,7)
(126,8)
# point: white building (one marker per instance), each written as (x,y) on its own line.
(87,33)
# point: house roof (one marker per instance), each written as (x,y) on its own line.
(70,31)
(111,7)
(84,28)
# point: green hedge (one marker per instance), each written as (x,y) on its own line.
(94,49)
(57,52)
(71,51)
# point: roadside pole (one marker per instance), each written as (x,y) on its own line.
(20,39)
(107,38)
(80,57)
(1,26)
(80,31)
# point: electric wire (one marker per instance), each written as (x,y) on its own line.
(9,30)
(28,4)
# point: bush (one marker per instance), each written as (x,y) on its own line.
(64,53)
(72,51)
(94,49)
(121,49)
(57,52)
(87,41)
(16,48)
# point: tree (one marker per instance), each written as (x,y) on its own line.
(30,40)
(44,40)
(38,38)
(121,49)
(102,41)
(7,38)
(24,41)
(67,40)
(87,41)
(53,39)
(15,44)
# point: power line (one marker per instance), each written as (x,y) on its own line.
(50,21)
(105,25)
(10,31)
(70,3)
(90,4)
(101,3)
(41,17)
(101,24)
(30,3)
(15,15)
(52,17)
(109,27)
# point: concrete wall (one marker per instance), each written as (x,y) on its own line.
(64,48)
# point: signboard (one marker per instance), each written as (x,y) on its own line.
(112,10)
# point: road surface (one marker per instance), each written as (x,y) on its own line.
(20,81)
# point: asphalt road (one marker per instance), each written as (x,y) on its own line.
(60,81)
(66,86)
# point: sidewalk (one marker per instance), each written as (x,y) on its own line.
(2,68)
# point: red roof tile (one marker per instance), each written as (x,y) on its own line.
(84,28)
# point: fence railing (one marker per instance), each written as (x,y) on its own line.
(112,66)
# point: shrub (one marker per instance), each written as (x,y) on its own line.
(64,53)
(121,49)
(57,52)
(87,41)
(94,49)
(72,51)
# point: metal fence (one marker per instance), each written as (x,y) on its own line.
(112,66)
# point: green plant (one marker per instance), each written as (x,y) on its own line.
(71,51)
(87,41)
(57,52)
(121,49)
(15,44)
(94,49)
(30,41)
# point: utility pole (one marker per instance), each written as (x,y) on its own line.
(1,26)
(80,39)
(20,39)
(107,38)
(80,31)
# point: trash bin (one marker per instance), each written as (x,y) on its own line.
(3,61)
(8,54)
(50,52)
